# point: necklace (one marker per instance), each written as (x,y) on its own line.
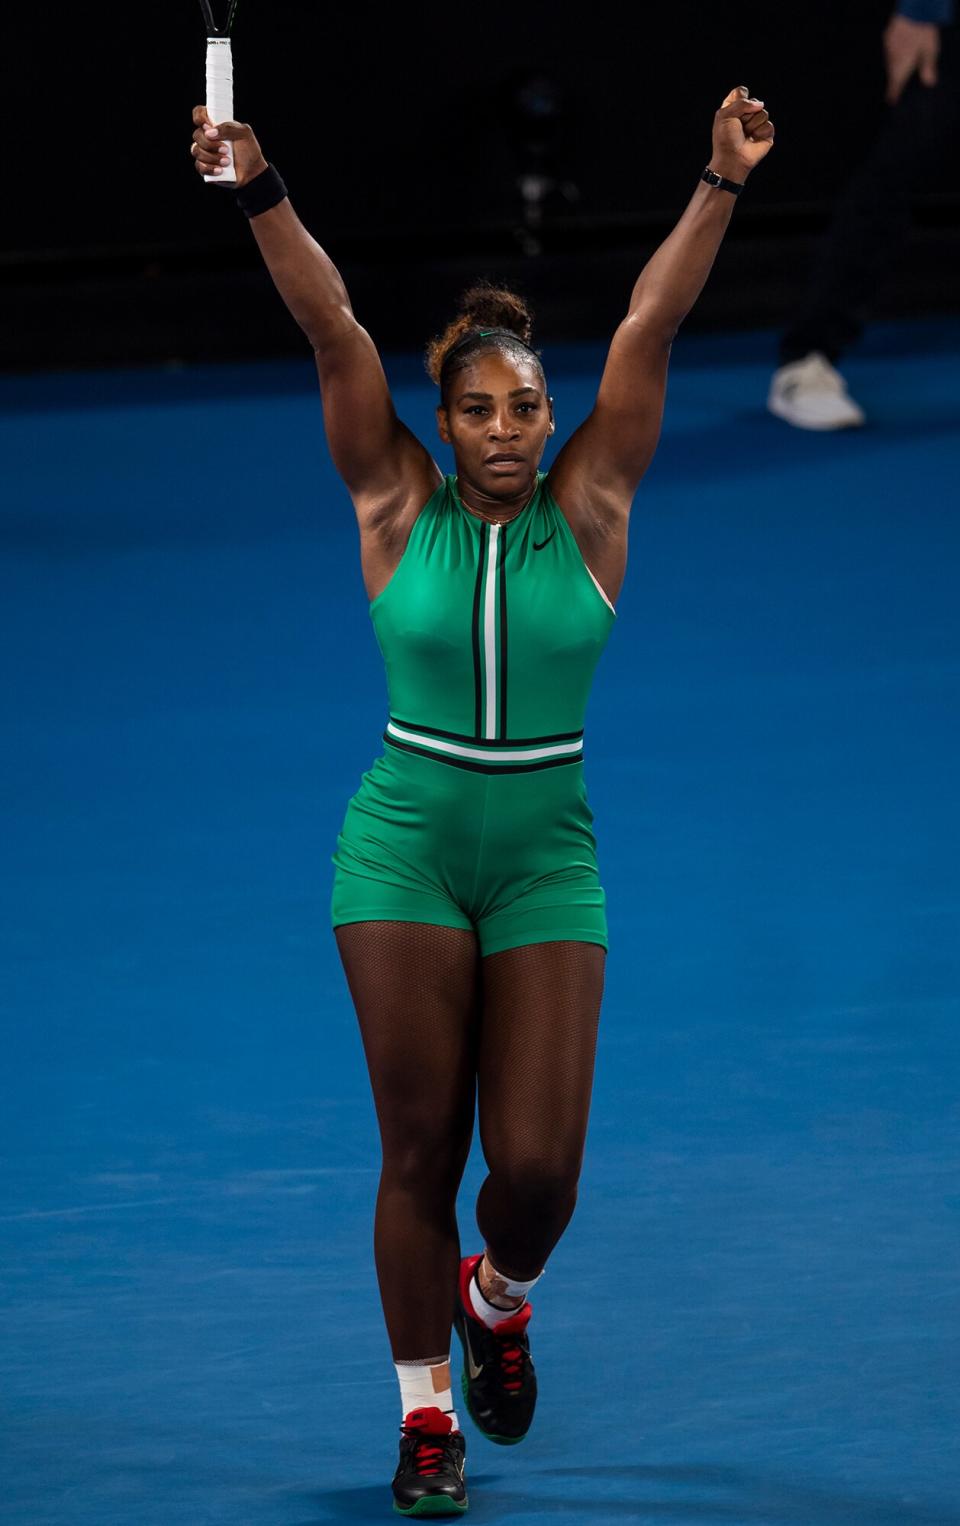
(486,517)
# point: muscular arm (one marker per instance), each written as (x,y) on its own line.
(613,448)
(598,470)
(306,278)
(384,466)
(380,461)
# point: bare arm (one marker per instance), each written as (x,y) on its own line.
(378,458)
(598,470)
(383,465)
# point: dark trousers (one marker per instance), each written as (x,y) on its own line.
(916,150)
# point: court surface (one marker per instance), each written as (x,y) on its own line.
(754,1318)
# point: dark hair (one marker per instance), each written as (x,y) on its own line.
(490,318)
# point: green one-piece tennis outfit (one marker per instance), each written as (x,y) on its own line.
(476,815)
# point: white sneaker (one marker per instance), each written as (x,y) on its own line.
(812,394)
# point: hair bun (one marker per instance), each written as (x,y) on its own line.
(482,306)
(486,306)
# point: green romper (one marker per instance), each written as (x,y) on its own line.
(476,815)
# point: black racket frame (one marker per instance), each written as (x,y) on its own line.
(212,29)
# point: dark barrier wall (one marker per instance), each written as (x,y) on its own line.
(407,117)
(405,134)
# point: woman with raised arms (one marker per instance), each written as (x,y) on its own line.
(467,906)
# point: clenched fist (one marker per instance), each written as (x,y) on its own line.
(209,147)
(742,135)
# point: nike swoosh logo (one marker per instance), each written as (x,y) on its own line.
(475,1371)
(539,545)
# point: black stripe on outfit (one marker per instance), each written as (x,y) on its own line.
(503,633)
(481,563)
(483,768)
(458,736)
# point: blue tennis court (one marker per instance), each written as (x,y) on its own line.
(191,1326)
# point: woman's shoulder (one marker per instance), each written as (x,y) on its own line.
(545,490)
(442,495)
(439,504)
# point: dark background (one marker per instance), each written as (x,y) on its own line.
(399,136)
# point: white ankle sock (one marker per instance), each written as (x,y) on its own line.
(418,1387)
(489,1313)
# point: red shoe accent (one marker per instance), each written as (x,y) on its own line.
(511,1357)
(467,1267)
(513,1323)
(431,1425)
(428,1422)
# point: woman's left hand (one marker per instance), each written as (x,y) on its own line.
(742,135)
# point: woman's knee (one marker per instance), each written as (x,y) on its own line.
(425,1160)
(538,1190)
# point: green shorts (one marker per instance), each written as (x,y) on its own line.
(509,855)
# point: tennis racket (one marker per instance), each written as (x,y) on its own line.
(220,80)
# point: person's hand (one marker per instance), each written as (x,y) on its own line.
(208,147)
(911,47)
(742,135)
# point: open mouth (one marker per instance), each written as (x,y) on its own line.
(507,459)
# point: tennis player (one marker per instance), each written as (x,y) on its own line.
(467,905)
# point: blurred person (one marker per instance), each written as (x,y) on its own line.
(871,219)
(467,906)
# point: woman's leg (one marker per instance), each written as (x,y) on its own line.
(415,989)
(541,1007)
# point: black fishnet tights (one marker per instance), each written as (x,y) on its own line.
(442,1029)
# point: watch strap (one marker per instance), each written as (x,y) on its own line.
(712,178)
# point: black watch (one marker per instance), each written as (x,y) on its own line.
(712,178)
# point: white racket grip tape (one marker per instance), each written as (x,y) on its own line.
(220,97)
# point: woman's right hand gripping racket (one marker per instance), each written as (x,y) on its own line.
(220,83)
(233,156)
(228,145)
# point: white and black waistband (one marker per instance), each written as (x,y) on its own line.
(505,755)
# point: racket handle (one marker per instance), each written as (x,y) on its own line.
(220,97)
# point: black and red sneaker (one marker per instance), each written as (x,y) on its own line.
(499,1382)
(429,1477)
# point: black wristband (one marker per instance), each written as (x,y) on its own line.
(264,191)
(712,178)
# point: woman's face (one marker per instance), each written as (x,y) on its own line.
(498,419)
